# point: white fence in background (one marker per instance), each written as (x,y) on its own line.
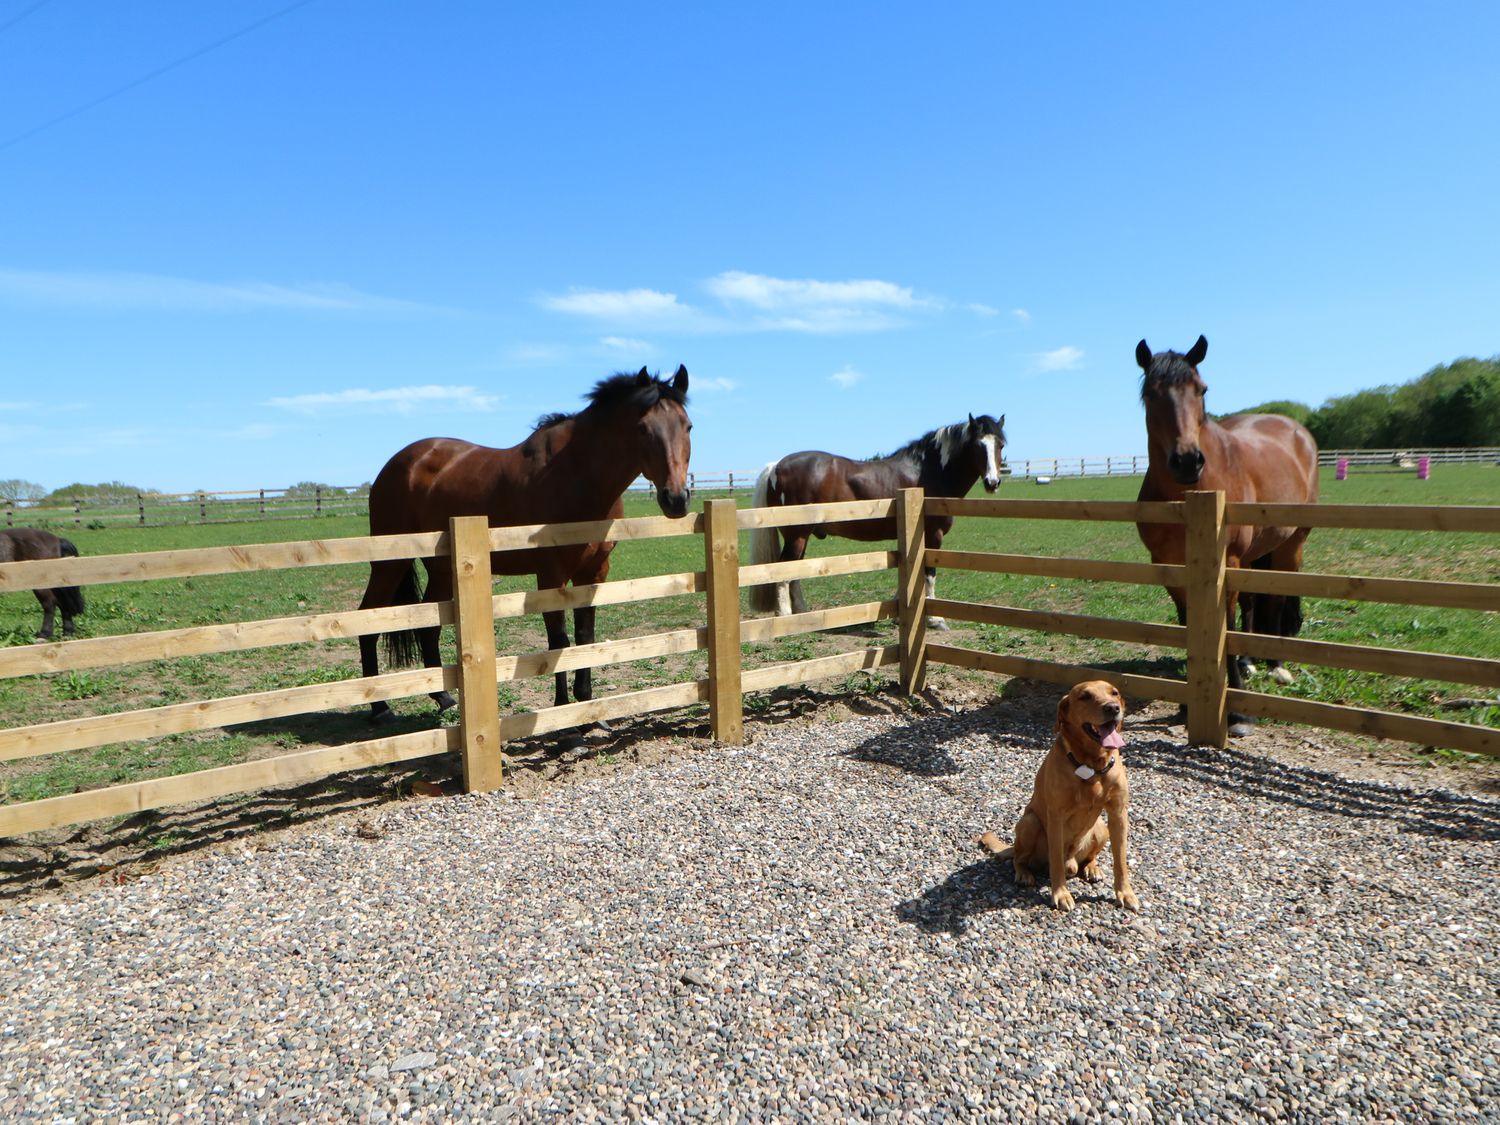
(156,508)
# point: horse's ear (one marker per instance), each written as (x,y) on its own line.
(642,377)
(679,381)
(1000,422)
(1197,351)
(971,421)
(1143,355)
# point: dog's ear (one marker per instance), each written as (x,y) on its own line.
(1062,713)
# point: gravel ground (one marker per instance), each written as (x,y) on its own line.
(800,929)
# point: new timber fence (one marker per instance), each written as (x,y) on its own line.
(467,545)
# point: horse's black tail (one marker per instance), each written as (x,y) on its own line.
(1289,624)
(401,648)
(69,598)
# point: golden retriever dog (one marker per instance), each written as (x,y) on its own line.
(1062,830)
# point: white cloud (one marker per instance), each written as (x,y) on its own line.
(624,344)
(1064,358)
(777,294)
(391,400)
(718,383)
(634,305)
(178,294)
(846,378)
(1022,315)
(982,310)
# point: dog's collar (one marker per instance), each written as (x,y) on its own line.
(1087,773)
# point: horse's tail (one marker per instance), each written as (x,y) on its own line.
(401,647)
(765,546)
(69,598)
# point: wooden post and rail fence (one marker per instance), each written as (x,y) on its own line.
(474,608)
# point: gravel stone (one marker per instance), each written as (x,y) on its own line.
(800,929)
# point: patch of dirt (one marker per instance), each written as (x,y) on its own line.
(71,860)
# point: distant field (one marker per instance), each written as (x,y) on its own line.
(137,607)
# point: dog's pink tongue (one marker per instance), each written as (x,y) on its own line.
(1112,740)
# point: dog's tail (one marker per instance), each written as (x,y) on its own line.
(990,844)
(69,597)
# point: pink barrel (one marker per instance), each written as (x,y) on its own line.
(1341,470)
(1424,467)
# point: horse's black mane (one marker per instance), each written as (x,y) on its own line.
(623,387)
(930,444)
(1168,369)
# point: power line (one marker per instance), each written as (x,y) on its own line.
(143,79)
(18,17)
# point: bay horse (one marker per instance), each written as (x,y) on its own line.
(21,544)
(573,467)
(943,462)
(1264,458)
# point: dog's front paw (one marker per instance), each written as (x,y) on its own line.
(1127,899)
(1062,899)
(1092,873)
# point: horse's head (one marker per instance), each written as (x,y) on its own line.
(984,445)
(1172,392)
(664,442)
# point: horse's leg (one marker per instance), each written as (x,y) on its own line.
(789,597)
(439,589)
(385,578)
(1250,606)
(934,539)
(1238,724)
(583,634)
(49,613)
(1287,621)
(556,621)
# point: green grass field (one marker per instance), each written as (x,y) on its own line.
(138,607)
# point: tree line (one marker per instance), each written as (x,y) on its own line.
(1454,404)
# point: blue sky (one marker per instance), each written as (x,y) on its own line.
(243,246)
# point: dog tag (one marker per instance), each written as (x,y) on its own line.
(1085,772)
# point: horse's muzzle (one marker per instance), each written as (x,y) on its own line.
(991,483)
(1186,468)
(674,504)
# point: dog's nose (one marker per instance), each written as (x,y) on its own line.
(1111,711)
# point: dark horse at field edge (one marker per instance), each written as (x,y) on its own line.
(24,544)
(572,468)
(943,462)
(1251,458)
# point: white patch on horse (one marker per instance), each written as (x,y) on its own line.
(991,460)
(949,442)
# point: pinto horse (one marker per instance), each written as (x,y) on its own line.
(573,467)
(21,544)
(943,462)
(1265,458)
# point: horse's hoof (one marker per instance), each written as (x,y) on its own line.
(383,716)
(1240,726)
(1248,668)
(444,701)
(1283,677)
(938,624)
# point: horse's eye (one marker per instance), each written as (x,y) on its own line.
(689,427)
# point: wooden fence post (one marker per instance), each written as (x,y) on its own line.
(1207,621)
(474,625)
(911,589)
(721,557)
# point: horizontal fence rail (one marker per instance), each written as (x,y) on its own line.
(470,548)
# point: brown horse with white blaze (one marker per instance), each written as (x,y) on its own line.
(572,468)
(1251,458)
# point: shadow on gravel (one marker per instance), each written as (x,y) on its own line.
(1426,813)
(980,887)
